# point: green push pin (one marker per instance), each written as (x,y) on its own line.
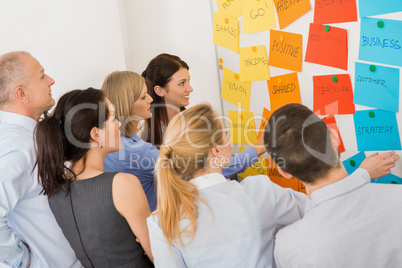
(334,79)
(372,68)
(371,114)
(327,28)
(380,24)
(394,182)
(352,163)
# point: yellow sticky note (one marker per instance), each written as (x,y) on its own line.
(233,8)
(258,15)
(242,127)
(253,63)
(226,32)
(286,50)
(283,89)
(258,168)
(289,11)
(235,91)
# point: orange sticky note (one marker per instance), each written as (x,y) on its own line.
(335,11)
(226,31)
(235,91)
(266,114)
(289,11)
(283,89)
(333,94)
(232,8)
(276,177)
(258,16)
(328,48)
(286,50)
(331,123)
(242,127)
(253,63)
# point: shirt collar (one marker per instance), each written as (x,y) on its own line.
(18,120)
(208,180)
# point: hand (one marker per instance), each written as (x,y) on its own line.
(259,146)
(379,165)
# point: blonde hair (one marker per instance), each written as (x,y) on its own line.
(123,88)
(185,142)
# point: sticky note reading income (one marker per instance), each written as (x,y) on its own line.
(327,45)
(376,7)
(289,11)
(331,123)
(333,94)
(232,8)
(286,50)
(264,120)
(242,127)
(253,63)
(226,32)
(276,177)
(335,11)
(283,89)
(377,86)
(353,163)
(381,41)
(258,16)
(376,130)
(235,91)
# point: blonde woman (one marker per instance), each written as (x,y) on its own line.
(208,221)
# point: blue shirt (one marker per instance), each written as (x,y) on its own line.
(24,212)
(138,157)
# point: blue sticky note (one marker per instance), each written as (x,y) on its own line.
(390,178)
(376,130)
(376,7)
(381,44)
(353,163)
(377,86)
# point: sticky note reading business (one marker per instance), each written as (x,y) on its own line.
(327,45)
(242,127)
(232,8)
(376,130)
(377,7)
(266,114)
(377,86)
(335,11)
(226,32)
(289,11)
(253,63)
(286,50)
(258,16)
(381,41)
(283,89)
(331,123)
(333,94)
(353,163)
(235,91)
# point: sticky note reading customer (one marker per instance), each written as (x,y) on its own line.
(289,11)
(283,89)
(286,50)
(253,63)
(226,32)
(235,91)
(242,127)
(335,11)
(232,8)
(258,16)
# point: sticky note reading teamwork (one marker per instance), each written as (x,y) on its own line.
(335,11)
(381,41)
(226,32)
(286,50)
(235,91)
(376,130)
(289,11)
(258,16)
(377,86)
(253,63)
(242,127)
(377,7)
(327,45)
(232,8)
(283,89)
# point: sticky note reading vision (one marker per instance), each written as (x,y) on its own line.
(253,63)
(335,11)
(283,89)
(266,114)
(233,8)
(377,7)
(353,163)
(226,32)
(289,11)
(258,16)
(242,127)
(235,91)
(286,50)
(331,123)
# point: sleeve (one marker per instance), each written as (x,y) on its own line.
(240,162)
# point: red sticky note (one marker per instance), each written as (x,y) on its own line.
(335,11)
(328,48)
(331,123)
(333,94)
(266,114)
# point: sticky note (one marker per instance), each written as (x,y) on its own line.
(266,114)
(333,94)
(286,50)
(258,168)
(377,86)
(377,7)
(235,91)
(389,179)
(376,130)
(289,11)
(242,127)
(276,177)
(258,16)
(329,48)
(232,8)
(331,123)
(381,44)
(253,63)
(283,89)
(353,163)
(335,11)
(226,32)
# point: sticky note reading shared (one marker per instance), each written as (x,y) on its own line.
(283,89)
(253,63)
(226,32)
(258,16)
(242,127)
(286,50)
(235,91)
(233,8)
(289,11)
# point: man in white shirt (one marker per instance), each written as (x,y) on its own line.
(29,234)
(352,222)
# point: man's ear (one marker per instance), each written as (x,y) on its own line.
(334,138)
(159,91)
(284,174)
(21,94)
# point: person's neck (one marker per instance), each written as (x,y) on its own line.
(21,111)
(336,174)
(171,112)
(93,165)
(206,171)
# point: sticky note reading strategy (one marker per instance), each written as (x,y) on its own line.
(377,86)
(283,89)
(286,50)
(327,45)
(289,11)
(232,8)
(376,7)
(242,127)
(376,130)
(381,41)
(258,16)
(226,32)
(253,64)
(335,11)
(235,91)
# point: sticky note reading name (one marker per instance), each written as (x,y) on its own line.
(286,50)
(289,11)
(353,163)
(335,11)
(377,7)
(242,127)
(376,130)
(276,177)
(333,94)
(226,32)
(331,123)
(235,91)
(253,64)
(283,89)
(258,16)
(329,48)
(381,41)
(232,8)
(377,86)
(266,114)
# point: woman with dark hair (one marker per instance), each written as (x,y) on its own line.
(102,214)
